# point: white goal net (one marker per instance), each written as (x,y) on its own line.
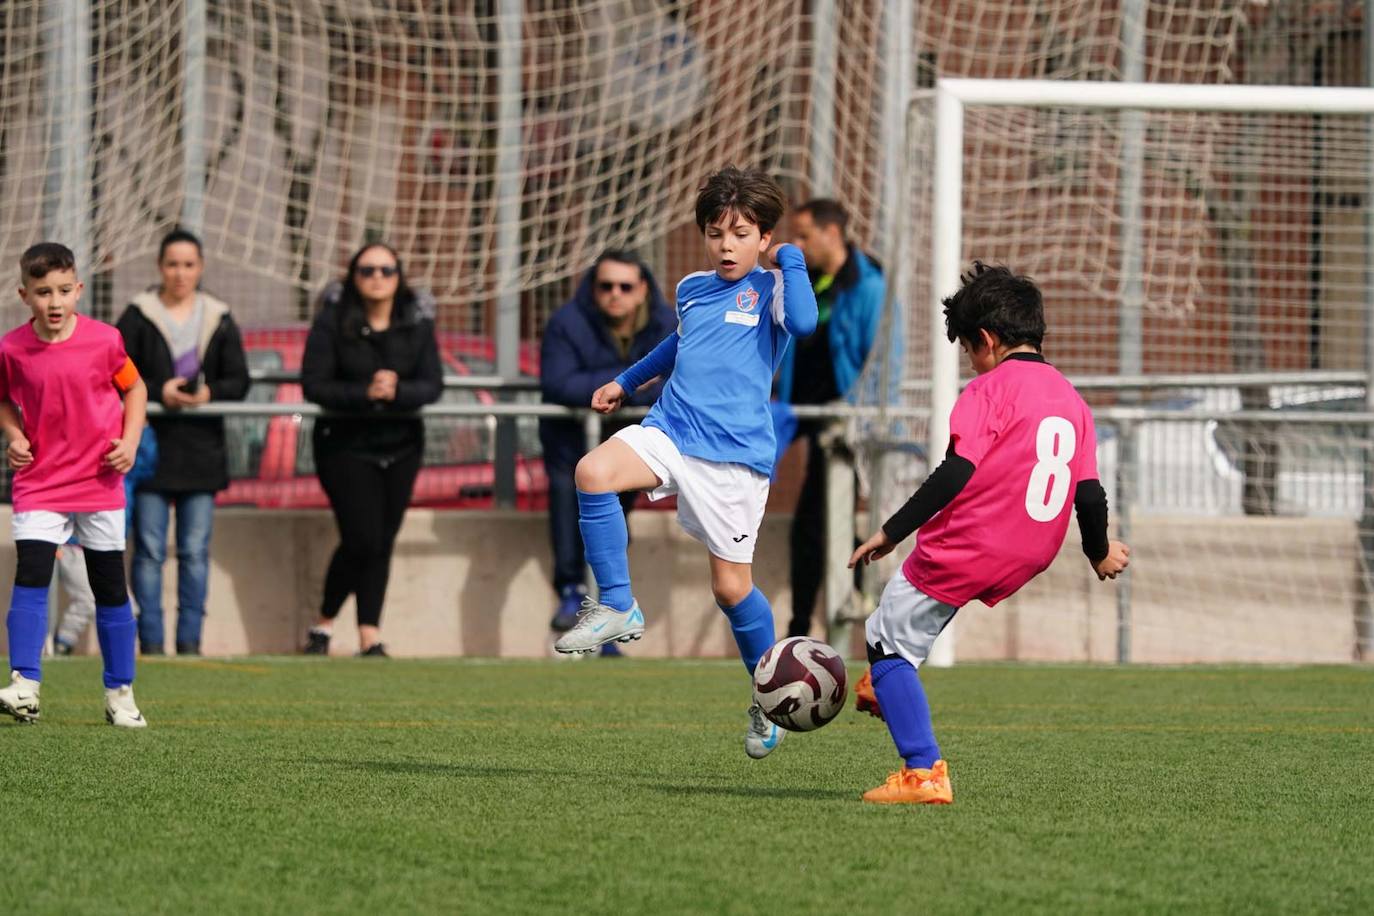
(290,132)
(501,144)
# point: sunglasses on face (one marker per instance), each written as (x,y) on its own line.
(606,286)
(367,270)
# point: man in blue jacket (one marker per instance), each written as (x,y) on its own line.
(823,368)
(617,315)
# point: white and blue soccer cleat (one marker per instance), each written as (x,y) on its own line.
(598,624)
(20,698)
(120,709)
(762,736)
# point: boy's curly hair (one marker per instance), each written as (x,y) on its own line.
(996,300)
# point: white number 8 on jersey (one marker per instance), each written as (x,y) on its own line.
(1048,489)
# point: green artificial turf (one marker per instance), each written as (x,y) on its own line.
(349,785)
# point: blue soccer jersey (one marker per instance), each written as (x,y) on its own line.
(730,337)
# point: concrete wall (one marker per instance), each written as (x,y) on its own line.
(462,583)
(476,583)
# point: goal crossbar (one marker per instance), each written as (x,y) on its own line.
(1158,96)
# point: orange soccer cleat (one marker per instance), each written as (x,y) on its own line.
(914,787)
(865,700)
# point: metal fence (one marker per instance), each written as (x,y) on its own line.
(1186,453)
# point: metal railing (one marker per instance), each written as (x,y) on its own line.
(508,409)
(494,382)
(1126,422)
(1193,380)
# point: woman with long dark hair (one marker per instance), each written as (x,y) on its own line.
(371,356)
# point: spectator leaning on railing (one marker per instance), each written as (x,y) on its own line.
(617,315)
(372,356)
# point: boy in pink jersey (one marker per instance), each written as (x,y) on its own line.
(991,517)
(71,409)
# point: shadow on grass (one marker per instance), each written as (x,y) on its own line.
(428,768)
(807,794)
(479,771)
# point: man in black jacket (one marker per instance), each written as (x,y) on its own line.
(617,315)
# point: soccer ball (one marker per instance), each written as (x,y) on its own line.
(800,684)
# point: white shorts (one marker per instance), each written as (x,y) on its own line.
(102,530)
(719,504)
(907,620)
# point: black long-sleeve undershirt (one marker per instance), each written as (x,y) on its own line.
(946,482)
(938,491)
(1090,505)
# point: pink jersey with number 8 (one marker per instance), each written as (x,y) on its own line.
(1030,437)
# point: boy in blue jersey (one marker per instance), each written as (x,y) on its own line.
(709,438)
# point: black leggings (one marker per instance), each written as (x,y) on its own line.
(369,501)
(104,567)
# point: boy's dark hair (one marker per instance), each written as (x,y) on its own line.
(45,257)
(826,212)
(752,193)
(996,300)
(176,236)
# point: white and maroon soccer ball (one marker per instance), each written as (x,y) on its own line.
(800,683)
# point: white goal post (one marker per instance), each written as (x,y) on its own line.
(952,248)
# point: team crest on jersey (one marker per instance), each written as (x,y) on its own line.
(747,300)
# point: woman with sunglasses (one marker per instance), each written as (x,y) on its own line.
(371,356)
(617,315)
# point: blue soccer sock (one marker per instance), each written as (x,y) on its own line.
(906,711)
(117,632)
(606,542)
(752,623)
(28,628)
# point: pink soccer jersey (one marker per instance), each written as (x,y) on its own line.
(71,409)
(1030,438)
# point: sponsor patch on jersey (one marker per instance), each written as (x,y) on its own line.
(742,318)
(747,300)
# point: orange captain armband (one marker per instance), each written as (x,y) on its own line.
(126,377)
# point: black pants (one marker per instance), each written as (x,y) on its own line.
(369,500)
(569,558)
(808,538)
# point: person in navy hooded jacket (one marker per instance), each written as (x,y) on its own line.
(617,315)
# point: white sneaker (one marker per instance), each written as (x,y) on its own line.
(598,624)
(120,709)
(20,698)
(762,736)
